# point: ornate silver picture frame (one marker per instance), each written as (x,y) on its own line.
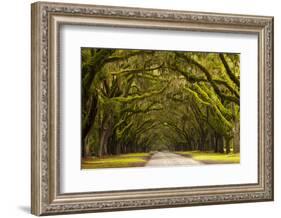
(46,195)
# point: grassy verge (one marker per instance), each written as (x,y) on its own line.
(211,158)
(117,161)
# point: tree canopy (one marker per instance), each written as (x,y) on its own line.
(140,100)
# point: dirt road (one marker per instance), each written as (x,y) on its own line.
(170,159)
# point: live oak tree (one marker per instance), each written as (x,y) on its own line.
(139,101)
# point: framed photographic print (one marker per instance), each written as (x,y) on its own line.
(138,108)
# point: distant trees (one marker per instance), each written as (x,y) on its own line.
(138,101)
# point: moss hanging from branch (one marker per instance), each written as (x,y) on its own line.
(136,97)
(209,78)
(195,94)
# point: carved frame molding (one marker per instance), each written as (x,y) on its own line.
(46,20)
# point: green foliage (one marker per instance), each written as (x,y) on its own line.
(138,101)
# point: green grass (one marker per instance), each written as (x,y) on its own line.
(211,158)
(117,161)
